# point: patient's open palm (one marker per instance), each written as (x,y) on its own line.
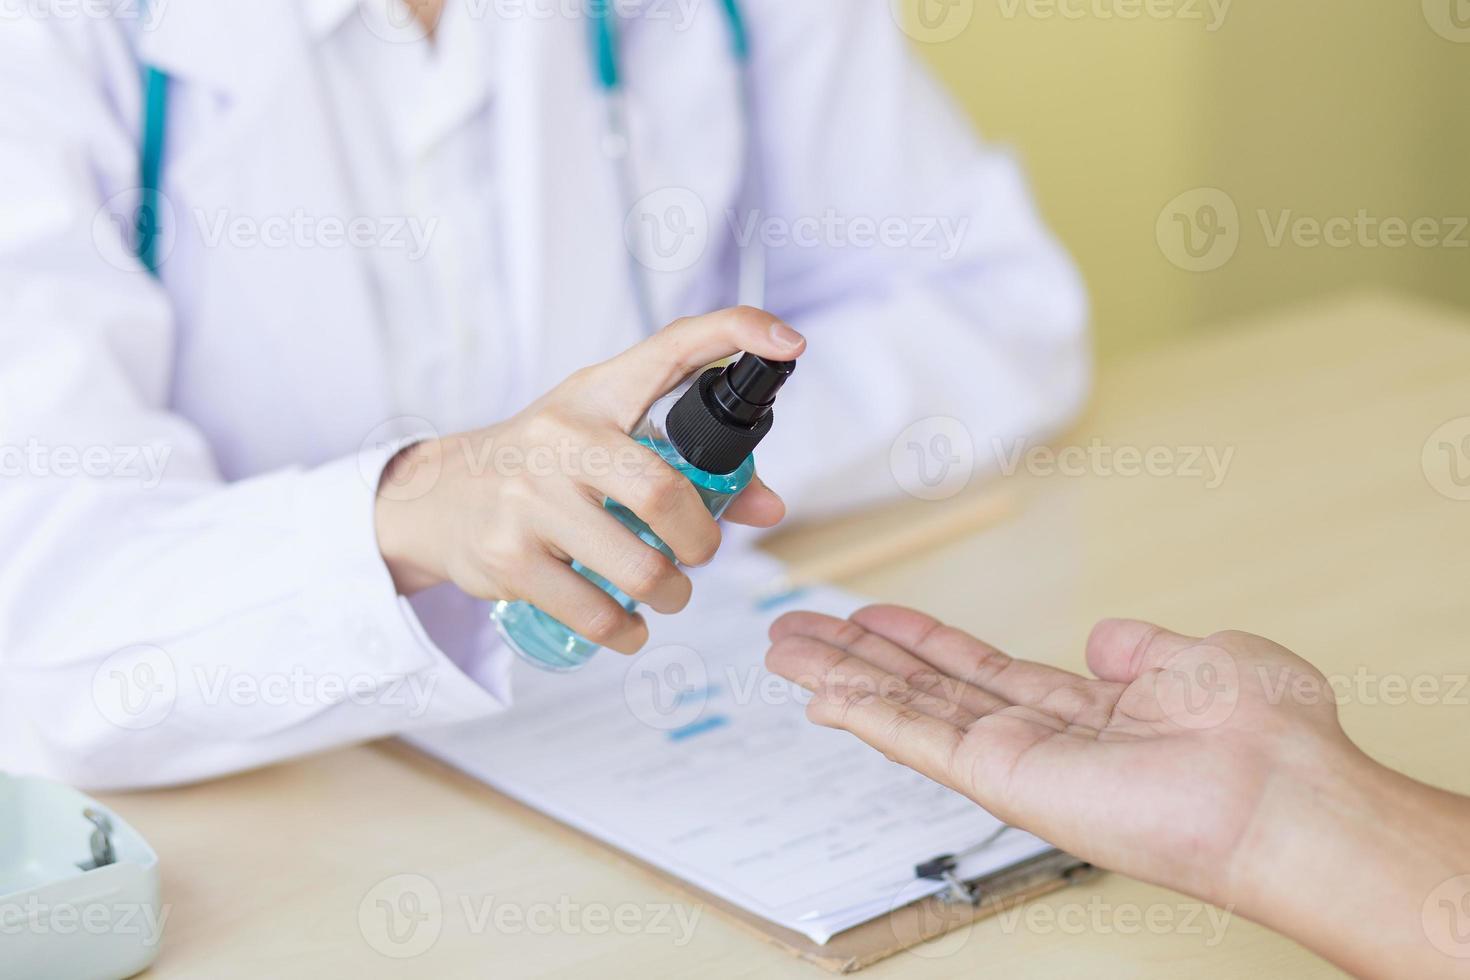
(1154,769)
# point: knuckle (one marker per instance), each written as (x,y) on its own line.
(746,317)
(519,494)
(848,634)
(852,699)
(646,571)
(703,552)
(549,425)
(678,339)
(539,429)
(581,378)
(508,591)
(988,664)
(602,624)
(659,495)
(483,584)
(1068,702)
(899,725)
(497,546)
(505,570)
(903,695)
(574,389)
(923,678)
(1141,648)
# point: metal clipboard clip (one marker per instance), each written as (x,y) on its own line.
(945,868)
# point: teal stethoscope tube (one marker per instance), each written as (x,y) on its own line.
(602,22)
(150,166)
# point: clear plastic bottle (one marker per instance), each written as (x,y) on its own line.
(707,433)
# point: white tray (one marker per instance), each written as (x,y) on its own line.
(57,918)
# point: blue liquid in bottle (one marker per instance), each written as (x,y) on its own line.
(546,643)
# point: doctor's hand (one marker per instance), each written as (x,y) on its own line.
(503,511)
(1214,766)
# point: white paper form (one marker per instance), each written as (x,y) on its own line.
(695,759)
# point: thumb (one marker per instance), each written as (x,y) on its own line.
(642,374)
(1121,649)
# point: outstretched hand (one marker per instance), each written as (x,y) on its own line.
(1160,767)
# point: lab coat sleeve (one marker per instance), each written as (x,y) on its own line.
(914,260)
(157,624)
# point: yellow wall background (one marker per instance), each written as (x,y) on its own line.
(1314,109)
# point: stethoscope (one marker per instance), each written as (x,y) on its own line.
(606,57)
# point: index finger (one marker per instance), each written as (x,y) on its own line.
(851,638)
(905,735)
(959,655)
(642,374)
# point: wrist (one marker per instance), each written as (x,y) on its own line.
(1311,801)
(401,516)
(1342,855)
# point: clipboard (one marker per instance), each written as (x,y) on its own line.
(847,952)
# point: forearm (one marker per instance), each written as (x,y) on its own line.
(165,635)
(1359,863)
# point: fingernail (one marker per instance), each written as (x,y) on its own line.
(785,336)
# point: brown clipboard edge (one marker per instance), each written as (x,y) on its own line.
(847,952)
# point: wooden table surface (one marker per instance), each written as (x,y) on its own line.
(1338,529)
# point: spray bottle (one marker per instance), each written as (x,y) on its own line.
(707,433)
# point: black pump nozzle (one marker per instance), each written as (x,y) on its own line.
(746,390)
(724,416)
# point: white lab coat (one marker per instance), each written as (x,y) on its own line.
(190,583)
